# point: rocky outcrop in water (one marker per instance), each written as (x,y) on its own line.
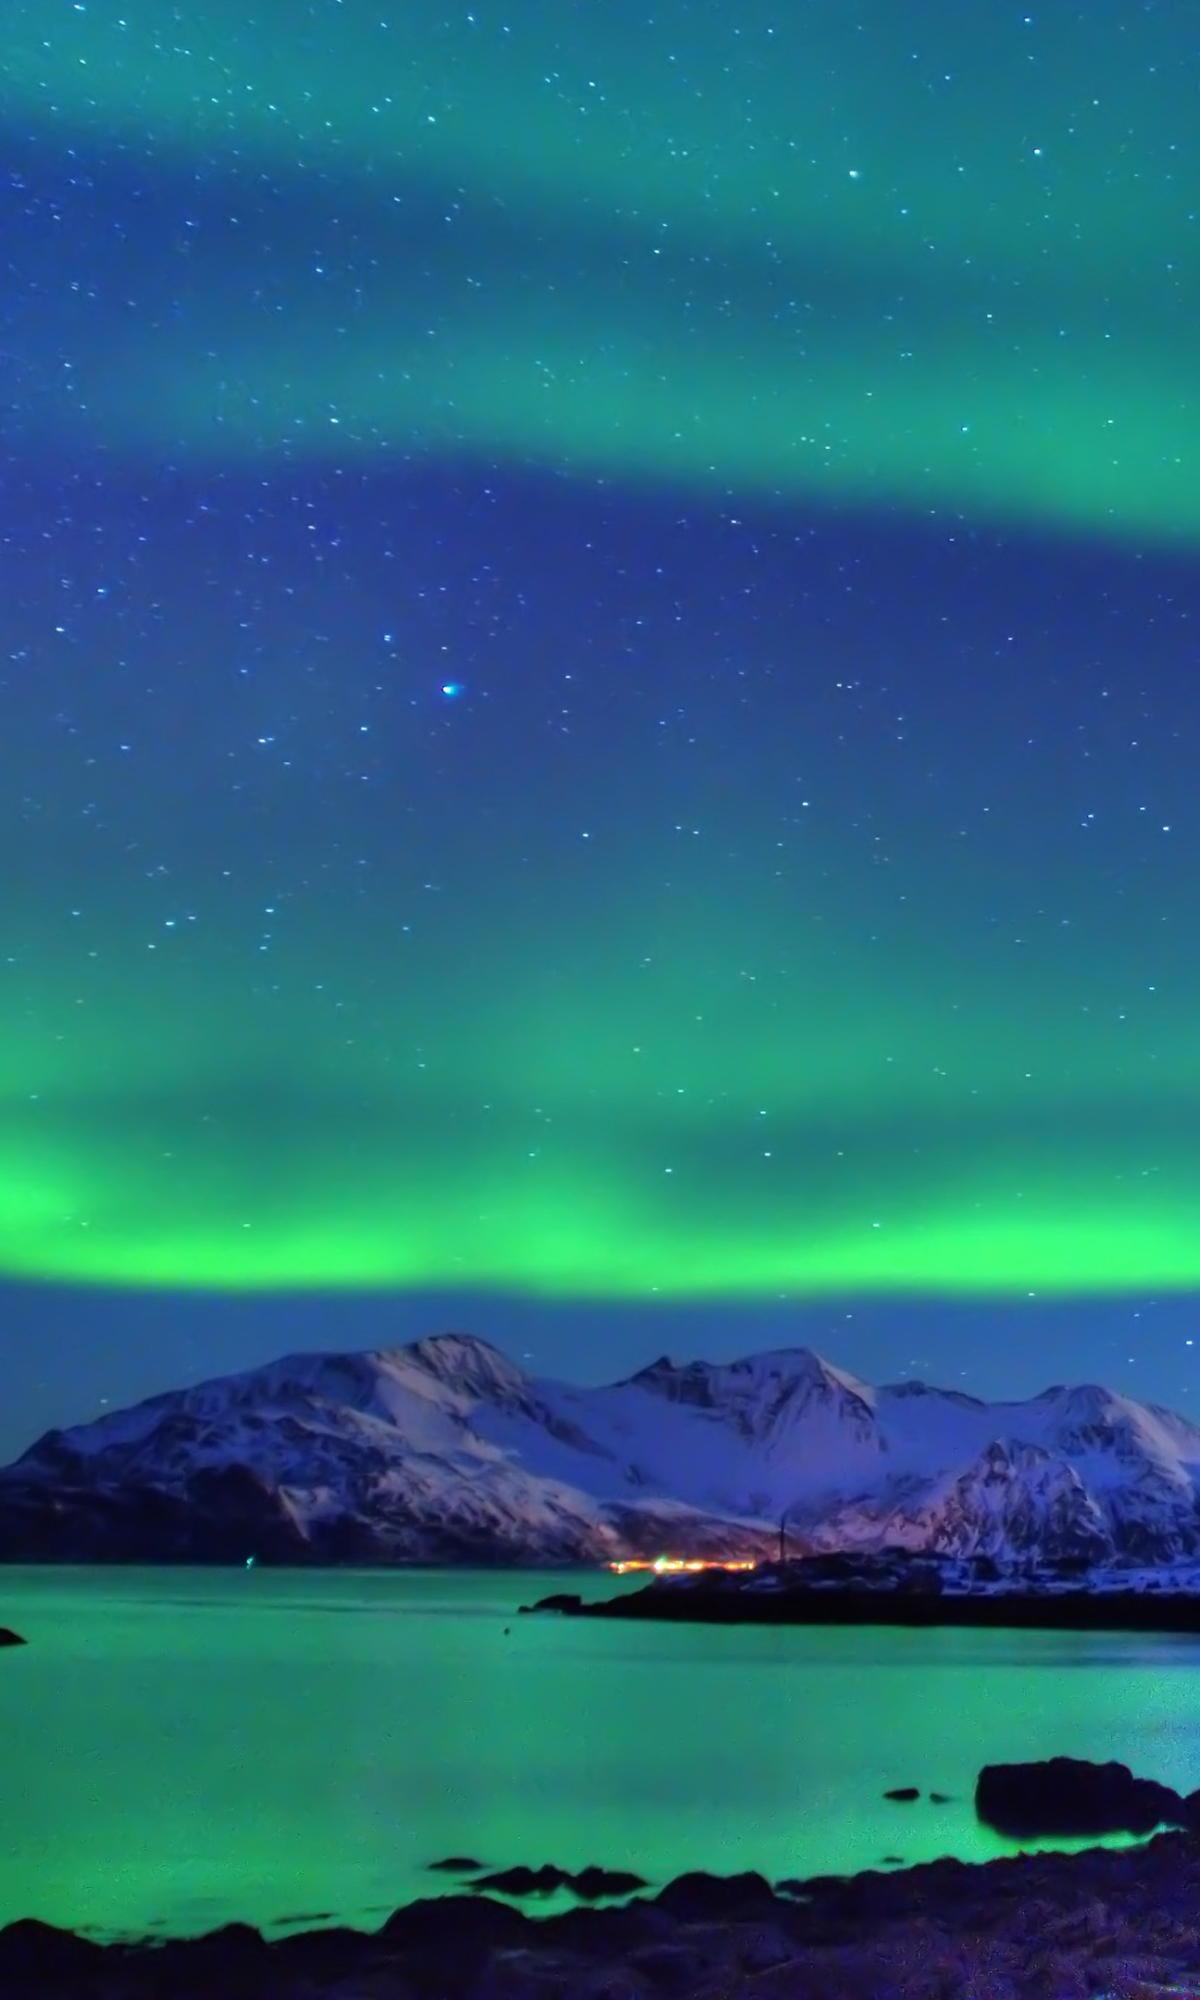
(590,1884)
(1066,1798)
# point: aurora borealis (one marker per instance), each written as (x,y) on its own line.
(599,677)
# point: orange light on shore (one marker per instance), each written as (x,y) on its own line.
(674,1565)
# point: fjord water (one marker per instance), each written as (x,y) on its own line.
(186,1747)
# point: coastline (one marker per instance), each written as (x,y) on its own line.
(1039,1926)
(1025,1611)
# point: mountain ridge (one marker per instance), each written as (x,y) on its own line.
(444,1450)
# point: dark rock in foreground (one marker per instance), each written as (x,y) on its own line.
(11,1638)
(33,1951)
(1036,1927)
(699,1896)
(1068,1797)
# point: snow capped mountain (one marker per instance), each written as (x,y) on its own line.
(444,1451)
(766,1396)
(1014,1499)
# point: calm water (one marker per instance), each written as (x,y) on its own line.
(180,1748)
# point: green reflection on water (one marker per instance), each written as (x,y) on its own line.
(183,1748)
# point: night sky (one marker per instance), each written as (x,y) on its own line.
(599,696)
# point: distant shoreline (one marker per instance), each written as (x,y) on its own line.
(1024,1611)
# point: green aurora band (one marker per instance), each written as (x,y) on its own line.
(702,1132)
(965,283)
(945,262)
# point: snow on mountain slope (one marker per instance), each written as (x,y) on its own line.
(444,1450)
(1015,1499)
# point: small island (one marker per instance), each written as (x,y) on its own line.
(902,1589)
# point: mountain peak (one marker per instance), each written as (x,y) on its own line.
(443,1450)
(464,1361)
(1080,1395)
(792,1366)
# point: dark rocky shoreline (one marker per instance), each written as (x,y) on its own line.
(1042,1611)
(1036,1927)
